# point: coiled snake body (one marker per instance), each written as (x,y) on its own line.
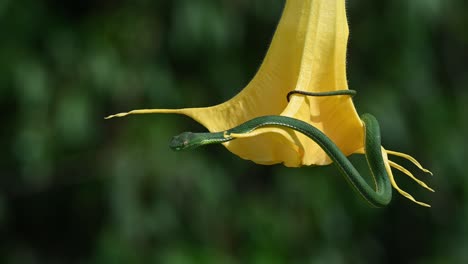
(379,197)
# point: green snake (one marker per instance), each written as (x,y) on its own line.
(329,93)
(378,198)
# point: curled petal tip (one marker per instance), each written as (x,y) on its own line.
(426,171)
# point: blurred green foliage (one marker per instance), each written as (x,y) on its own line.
(77,189)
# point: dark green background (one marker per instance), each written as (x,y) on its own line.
(75,188)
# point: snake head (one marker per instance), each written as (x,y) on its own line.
(189,140)
(184,141)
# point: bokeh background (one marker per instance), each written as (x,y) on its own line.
(75,188)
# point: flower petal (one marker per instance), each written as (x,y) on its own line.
(405,171)
(308,53)
(408,157)
(394,184)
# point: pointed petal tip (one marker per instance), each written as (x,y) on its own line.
(426,171)
(116,115)
(424,204)
(395,185)
(411,198)
(405,171)
(147,111)
(411,159)
(427,187)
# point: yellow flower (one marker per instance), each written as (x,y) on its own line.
(307,53)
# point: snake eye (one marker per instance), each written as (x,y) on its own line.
(185,142)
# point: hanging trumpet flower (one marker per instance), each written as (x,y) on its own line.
(306,63)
